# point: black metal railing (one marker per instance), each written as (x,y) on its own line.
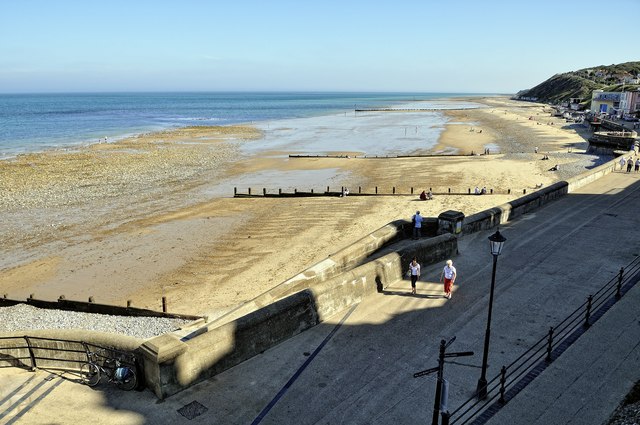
(516,375)
(31,352)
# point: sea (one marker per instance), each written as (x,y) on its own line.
(38,122)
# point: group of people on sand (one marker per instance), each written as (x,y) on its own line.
(478,191)
(630,163)
(426,195)
(448,276)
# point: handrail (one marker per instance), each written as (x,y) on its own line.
(540,354)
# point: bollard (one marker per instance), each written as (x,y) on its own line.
(249,191)
(359,189)
(91,299)
(264,192)
(524,191)
(394,190)
(164,304)
(412,191)
(376,190)
(129,303)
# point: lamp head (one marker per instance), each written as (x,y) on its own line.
(496,242)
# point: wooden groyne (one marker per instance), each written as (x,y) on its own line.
(472,154)
(264,193)
(408,109)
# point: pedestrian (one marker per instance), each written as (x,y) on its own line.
(622,162)
(629,164)
(448,276)
(414,270)
(637,166)
(417,225)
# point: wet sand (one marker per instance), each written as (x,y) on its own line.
(153,215)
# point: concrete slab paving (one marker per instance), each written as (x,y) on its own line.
(358,367)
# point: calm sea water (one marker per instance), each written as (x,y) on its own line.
(36,122)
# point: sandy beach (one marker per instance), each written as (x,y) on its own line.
(154,216)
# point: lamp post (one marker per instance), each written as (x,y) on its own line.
(496,242)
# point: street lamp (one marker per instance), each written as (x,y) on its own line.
(496,242)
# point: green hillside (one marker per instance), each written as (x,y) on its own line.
(581,83)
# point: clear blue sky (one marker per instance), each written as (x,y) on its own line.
(323,45)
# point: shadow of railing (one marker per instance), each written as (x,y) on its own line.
(523,370)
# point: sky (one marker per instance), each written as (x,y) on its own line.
(459,46)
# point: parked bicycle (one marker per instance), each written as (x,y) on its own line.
(112,368)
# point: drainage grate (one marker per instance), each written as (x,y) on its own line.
(192,410)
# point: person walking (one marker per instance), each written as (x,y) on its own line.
(637,166)
(629,164)
(448,276)
(414,269)
(417,225)
(622,162)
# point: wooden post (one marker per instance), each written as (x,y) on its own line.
(295,190)
(491,191)
(249,191)
(376,190)
(279,191)
(312,191)
(412,191)
(469,191)
(359,189)
(524,191)
(264,192)
(164,304)
(394,190)
(509,191)
(449,190)
(235,191)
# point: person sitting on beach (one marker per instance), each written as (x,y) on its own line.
(345,191)
(430,195)
(423,196)
(554,168)
(476,191)
(484,190)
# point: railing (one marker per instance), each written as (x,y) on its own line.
(515,376)
(31,352)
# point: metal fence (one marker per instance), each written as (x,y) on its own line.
(516,375)
(31,352)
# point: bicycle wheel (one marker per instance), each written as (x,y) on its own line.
(90,374)
(128,381)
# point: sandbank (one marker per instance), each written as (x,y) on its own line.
(153,215)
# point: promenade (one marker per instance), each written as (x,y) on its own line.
(358,367)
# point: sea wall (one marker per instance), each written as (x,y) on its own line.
(173,363)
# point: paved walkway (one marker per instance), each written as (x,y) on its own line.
(358,368)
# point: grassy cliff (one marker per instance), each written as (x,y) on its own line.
(583,82)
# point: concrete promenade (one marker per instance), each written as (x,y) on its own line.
(358,368)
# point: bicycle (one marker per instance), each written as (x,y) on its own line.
(113,369)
